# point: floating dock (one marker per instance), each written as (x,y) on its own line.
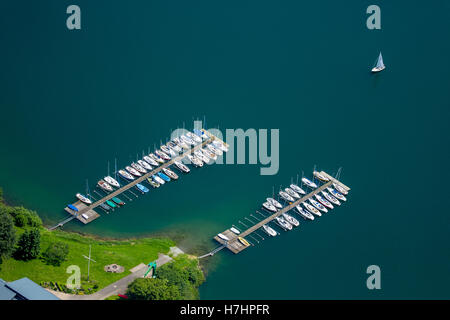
(235,246)
(88,210)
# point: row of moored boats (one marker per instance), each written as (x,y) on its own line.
(315,206)
(167,152)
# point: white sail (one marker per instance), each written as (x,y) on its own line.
(380,63)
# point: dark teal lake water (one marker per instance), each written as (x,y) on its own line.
(73,100)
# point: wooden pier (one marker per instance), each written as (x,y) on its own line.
(89,211)
(235,246)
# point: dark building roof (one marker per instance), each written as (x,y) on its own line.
(23,289)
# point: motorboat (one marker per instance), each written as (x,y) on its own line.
(291,220)
(194,137)
(283,223)
(182,167)
(126,175)
(292,193)
(286,197)
(243,241)
(311,209)
(195,161)
(83,198)
(158,179)
(340,189)
(105,186)
(153,183)
(111,204)
(309,183)
(118,201)
(223,237)
(318,205)
(331,198)
(220,145)
(133,171)
(170,173)
(269,207)
(201,156)
(163,176)
(269,230)
(305,214)
(234,230)
(155,158)
(138,168)
(214,149)
(113,182)
(142,188)
(274,202)
(320,176)
(145,165)
(162,155)
(336,194)
(297,189)
(151,161)
(324,201)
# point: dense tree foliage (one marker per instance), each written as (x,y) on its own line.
(7,235)
(152,289)
(179,279)
(29,245)
(56,253)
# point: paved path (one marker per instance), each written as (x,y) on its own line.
(118,287)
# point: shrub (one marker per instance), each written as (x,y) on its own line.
(56,253)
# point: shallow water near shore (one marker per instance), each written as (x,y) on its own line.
(73,100)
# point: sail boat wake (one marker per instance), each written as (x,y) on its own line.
(380,65)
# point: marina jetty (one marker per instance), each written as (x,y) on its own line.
(195,148)
(325,193)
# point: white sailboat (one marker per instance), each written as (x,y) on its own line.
(380,65)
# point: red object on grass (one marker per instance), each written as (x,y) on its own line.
(123,296)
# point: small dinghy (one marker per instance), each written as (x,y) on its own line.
(305,214)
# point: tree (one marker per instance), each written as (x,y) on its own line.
(29,245)
(152,289)
(56,253)
(7,235)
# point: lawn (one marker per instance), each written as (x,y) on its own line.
(127,253)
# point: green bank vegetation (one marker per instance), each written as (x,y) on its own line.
(178,280)
(52,252)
